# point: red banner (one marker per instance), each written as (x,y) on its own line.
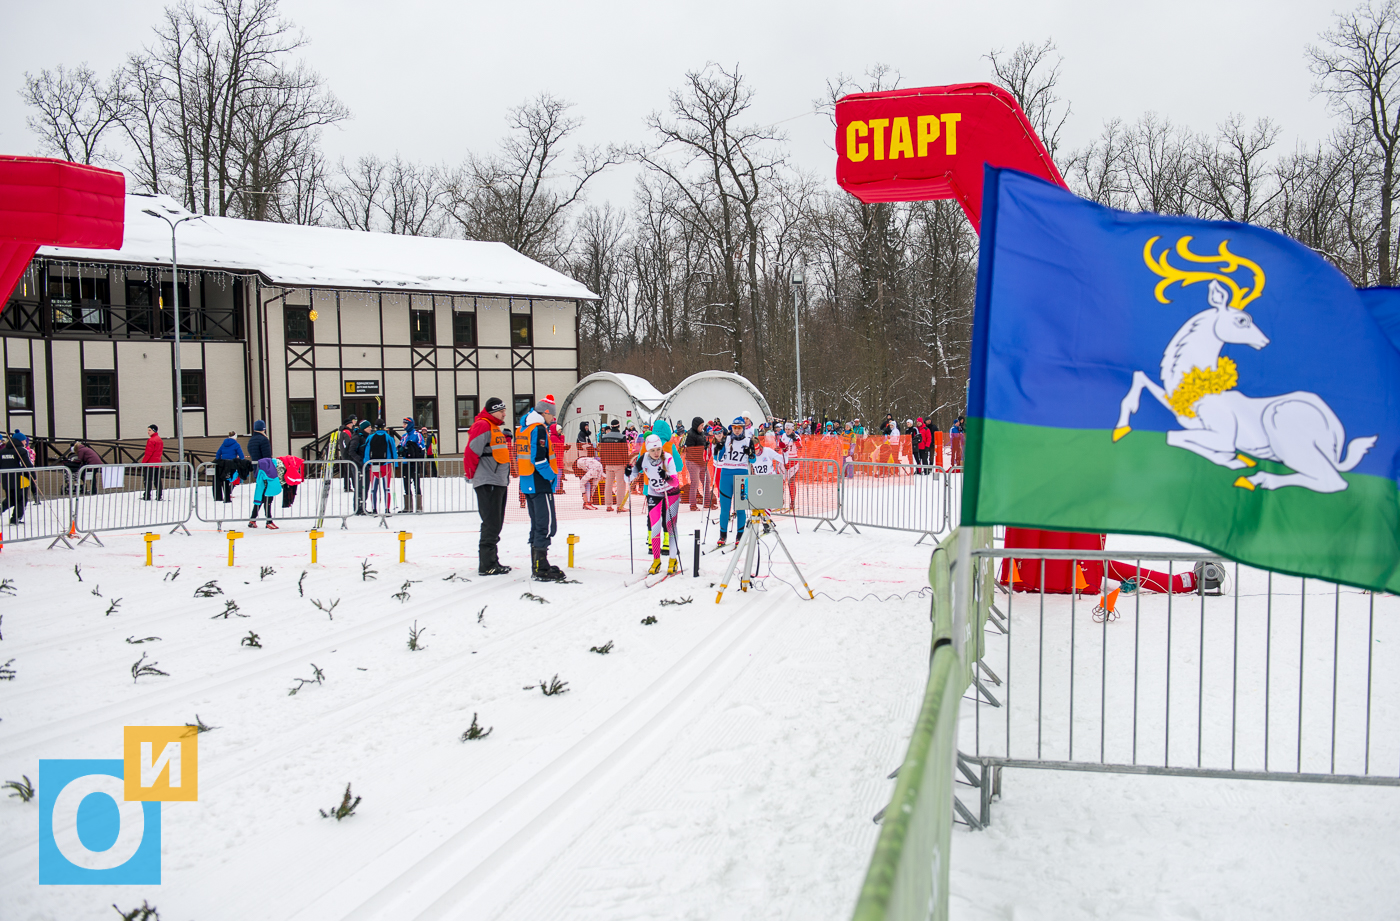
(923,144)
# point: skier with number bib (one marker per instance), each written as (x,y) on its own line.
(662,488)
(732,455)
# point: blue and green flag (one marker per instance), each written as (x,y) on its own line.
(1203,380)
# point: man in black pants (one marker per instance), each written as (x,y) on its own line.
(13,459)
(486,461)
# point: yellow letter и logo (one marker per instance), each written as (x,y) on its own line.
(161,763)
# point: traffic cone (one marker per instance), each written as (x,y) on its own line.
(1080,584)
(1103,611)
(1015,573)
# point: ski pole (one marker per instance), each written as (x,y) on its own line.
(631,549)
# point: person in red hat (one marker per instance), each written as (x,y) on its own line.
(539,472)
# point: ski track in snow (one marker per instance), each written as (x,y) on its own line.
(720,763)
(723,763)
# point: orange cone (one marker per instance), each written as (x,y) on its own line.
(1015,573)
(1079,581)
(1111,600)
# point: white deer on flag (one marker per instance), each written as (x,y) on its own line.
(1298,430)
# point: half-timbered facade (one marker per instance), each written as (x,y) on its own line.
(299,326)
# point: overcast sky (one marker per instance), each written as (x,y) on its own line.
(432,79)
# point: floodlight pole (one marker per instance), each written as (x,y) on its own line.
(179,370)
(797,282)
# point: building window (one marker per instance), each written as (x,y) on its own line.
(422,327)
(466,412)
(522,334)
(79,304)
(192,389)
(301,418)
(463,329)
(425,412)
(99,390)
(140,306)
(19,391)
(524,402)
(189,318)
(298,322)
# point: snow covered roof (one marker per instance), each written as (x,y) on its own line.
(292,255)
(708,393)
(641,389)
(715,393)
(617,395)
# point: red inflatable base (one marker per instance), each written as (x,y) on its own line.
(1059,575)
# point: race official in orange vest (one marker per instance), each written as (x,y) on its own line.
(539,475)
(486,461)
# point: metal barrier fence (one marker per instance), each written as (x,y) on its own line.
(38,504)
(434,486)
(908,874)
(896,496)
(814,491)
(329,490)
(130,497)
(1276,677)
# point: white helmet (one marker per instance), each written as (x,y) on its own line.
(653,441)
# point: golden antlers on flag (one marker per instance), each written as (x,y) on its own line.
(1228,261)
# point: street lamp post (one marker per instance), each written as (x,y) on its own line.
(797,282)
(175,289)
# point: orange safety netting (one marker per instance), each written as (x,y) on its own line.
(812,490)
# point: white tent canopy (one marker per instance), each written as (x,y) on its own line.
(604,396)
(715,393)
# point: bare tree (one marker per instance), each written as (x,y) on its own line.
(143,121)
(74,109)
(237,107)
(1099,171)
(357,197)
(721,170)
(1030,75)
(522,194)
(417,199)
(1358,68)
(301,199)
(1232,179)
(392,196)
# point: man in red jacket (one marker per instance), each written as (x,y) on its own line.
(486,461)
(155,449)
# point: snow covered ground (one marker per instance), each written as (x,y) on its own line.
(1083,845)
(724,762)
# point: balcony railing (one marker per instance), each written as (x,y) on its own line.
(117,321)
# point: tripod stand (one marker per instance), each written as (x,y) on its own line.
(760,523)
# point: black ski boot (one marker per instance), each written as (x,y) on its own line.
(493,567)
(540,568)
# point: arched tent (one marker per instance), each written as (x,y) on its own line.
(713,394)
(604,395)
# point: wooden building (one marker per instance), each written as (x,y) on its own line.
(298,326)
